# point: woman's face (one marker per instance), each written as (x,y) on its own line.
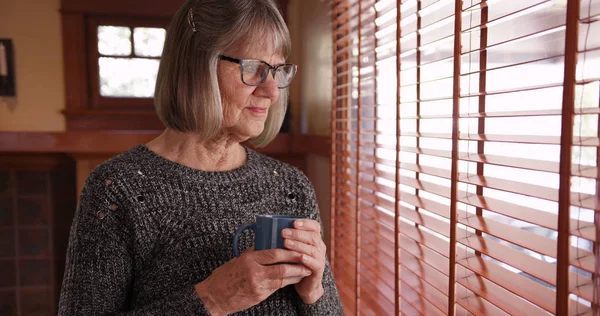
(245,108)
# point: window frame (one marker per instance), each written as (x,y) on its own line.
(79,112)
(97,101)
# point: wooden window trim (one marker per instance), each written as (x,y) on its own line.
(83,110)
(116,103)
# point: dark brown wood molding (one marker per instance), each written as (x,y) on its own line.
(155,8)
(100,142)
(72,142)
(79,120)
(75,60)
(112,142)
(312,144)
(35,161)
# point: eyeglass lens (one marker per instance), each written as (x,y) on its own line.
(255,72)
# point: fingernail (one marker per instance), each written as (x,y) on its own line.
(305,258)
(299,223)
(289,242)
(287,232)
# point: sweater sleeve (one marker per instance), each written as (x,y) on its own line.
(99,267)
(329,303)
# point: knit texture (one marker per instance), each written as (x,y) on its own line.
(147,229)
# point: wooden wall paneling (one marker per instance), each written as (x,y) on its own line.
(111,142)
(102,120)
(157,8)
(84,164)
(33,161)
(92,59)
(314,144)
(298,161)
(283,6)
(74,57)
(89,142)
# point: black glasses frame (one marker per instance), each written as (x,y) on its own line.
(271,69)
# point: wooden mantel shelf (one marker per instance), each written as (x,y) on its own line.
(113,142)
(90,148)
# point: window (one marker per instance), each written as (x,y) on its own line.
(447,122)
(110,53)
(124,62)
(128,67)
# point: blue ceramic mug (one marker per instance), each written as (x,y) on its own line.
(267,230)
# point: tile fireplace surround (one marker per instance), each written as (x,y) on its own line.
(34,220)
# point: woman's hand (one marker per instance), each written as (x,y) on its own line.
(248,280)
(306,239)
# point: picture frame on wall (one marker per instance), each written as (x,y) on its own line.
(7,68)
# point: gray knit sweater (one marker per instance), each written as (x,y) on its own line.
(146,230)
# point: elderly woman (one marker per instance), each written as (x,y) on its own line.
(152,234)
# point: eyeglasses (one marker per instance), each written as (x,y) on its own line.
(254,72)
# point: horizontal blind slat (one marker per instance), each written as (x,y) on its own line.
(424,254)
(580,258)
(513,305)
(476,304)
(544,271)
(523,163)
(414,299)
(427,292)
(579,199)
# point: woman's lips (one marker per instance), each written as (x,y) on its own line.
(258,110)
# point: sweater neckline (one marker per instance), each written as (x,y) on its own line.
(158,163)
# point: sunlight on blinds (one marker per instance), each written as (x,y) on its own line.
(446,122)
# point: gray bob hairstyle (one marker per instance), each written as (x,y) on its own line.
(187,96)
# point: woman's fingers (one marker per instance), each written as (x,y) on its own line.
(314,264)
(274,256)
(278,268)
(306,249)
(277,276)
(308,237)
(307,224)
(276,284)
(286,271)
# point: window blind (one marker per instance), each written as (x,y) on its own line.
(465,139)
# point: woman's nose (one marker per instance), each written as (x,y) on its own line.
(269,87)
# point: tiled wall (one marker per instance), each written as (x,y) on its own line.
(35,210)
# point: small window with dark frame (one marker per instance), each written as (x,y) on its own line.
(128,59)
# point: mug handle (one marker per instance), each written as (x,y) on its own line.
(236,250)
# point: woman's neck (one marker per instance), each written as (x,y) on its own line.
(221,154)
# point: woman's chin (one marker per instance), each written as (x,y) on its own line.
(245,134)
